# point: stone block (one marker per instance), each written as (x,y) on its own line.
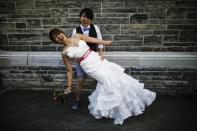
(190,75)
(4,39)
(129,48)
(177,85)
(14,48)
(32,68)
(179,44)
(24,37)
(33,11)
(56,1)
(123,10)
(176,13)
(188,36)
(155,4)
(95,6)
(28,31)
(42,48)
(190,49)
(53,21)
(170,38)
(3,19)
(113,4)
(59,12)
(181,21)
(183,3)
(191,9)
(157,21)
(145,9)
(105,0)
(165,32)
(67,4)
(4,74)
(135,3)
(16,16)
(24,43)
(127,37)
(4,27)
(191,15)
(67,21)
(152,40)
(48,43)
(34,23)
(7,7)
(21,25)
(139,18)
(157,16)
(112,15)
(129,31)
(143,26)
(169,49)
(111,20)
(41,72)
(25,4)
(128,43)
(110,29)
(107,37)
(74,11)
(191,26)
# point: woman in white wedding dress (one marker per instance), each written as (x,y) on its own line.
(117,95)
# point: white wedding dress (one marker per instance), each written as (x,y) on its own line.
(117,95)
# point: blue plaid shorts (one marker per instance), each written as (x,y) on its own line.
(80,71)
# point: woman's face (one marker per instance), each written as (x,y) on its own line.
(61,38)
(84,20)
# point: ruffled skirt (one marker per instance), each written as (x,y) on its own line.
(117,95)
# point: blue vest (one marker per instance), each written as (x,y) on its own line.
(92,33)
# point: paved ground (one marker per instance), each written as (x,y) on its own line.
(36,111)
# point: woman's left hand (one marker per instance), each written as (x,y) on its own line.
(109,42)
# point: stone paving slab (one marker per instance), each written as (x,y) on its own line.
(30,110)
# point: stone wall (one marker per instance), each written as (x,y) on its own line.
(163,80)
(166,73)
(133,25)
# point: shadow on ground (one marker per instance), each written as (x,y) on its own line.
(22,110)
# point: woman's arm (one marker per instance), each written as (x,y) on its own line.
(93,40)
(69,72)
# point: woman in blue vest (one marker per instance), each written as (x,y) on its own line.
(86,28)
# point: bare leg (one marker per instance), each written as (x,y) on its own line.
(80,83)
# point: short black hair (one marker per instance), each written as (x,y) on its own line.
(88,13)
(53,33)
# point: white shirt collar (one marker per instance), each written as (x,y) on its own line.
(84,27)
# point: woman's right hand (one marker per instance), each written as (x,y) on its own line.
(67,90)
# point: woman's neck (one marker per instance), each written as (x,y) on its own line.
(67,42)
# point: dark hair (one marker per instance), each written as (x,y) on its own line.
(88,13)
(54,33)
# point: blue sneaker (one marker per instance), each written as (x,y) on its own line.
(75,105)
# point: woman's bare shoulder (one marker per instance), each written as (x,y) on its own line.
(74,40)
(65,50)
